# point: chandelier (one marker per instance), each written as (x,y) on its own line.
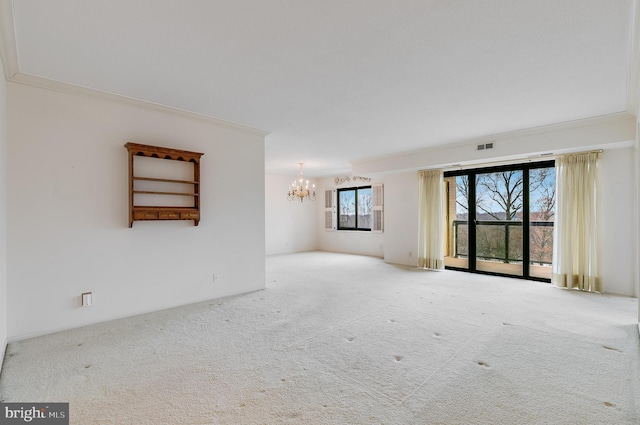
(298,192)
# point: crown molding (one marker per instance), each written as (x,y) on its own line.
(8,50)
(59,86)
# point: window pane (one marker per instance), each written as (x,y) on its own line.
(364,208)
(347,211)
(542,201)
(457,251)
(499,203)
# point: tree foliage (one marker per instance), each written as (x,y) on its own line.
(503,189)
(499,196)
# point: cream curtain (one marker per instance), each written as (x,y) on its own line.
(431,249)
(575,239)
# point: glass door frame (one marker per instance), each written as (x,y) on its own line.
(526,220)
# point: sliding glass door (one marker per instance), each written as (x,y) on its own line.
(500,220)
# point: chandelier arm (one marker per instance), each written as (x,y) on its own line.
(298,191)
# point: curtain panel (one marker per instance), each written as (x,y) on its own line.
(431,241)
(575,246)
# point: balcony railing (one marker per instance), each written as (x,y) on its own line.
(501,240)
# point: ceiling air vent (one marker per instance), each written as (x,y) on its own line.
(484,146)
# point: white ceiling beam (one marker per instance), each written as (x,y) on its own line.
(633,82)
(606,132)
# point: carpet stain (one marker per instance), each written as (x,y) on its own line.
(436,334)
(507,324)
(392,320)
(606,347)
(398,358)
(481,363)
(350,338)
(606,403)
(87,366)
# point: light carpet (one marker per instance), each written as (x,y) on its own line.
(344,339)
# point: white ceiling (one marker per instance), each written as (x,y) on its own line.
(335,81)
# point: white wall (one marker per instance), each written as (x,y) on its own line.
(3,214)
(617,221)
(68,221)
(636,217)
(401,218)
(615,134)
(617,244)
(346,241)
(290,226)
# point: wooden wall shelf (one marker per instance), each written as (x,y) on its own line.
(164,212)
